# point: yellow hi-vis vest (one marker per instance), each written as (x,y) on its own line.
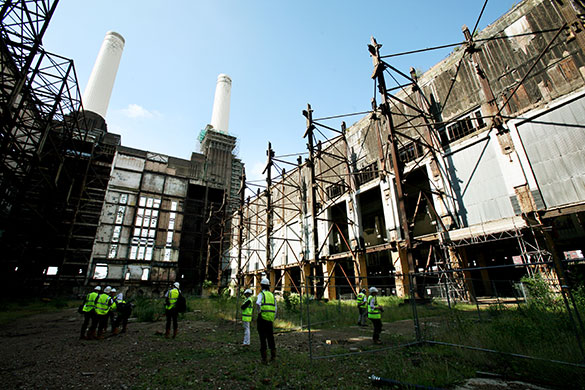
(247,312)
(268,307)
(373,313)
(361,300)
(90,300)
(172,298)
(103,303)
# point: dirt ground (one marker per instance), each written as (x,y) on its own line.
(44,352)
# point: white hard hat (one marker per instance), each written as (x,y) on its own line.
(107,290)
(113,290)
(97,288)
(176,284)
(120,297)
(373,290)
(265,281)
(248,291)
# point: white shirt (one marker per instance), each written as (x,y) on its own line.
(259,302)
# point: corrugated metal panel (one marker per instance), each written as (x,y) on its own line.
(557,153)
(478,184)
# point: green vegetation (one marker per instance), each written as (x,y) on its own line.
(207,354)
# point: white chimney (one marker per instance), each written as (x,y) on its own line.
(221,103)
(101,81)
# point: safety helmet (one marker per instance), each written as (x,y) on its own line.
(248,291)
(176,284)
(265,281)
(120,297)
(107,290)
(373,290)
(363,290)
(113,290)
(97,288)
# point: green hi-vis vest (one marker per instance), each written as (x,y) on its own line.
(172,298)
(373,313)
(89,303)
(103,303)
(247,312)
(268,307)
(361,300)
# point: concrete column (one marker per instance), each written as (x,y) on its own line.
(361,271)
(400,262)
(286,283)
(306,278)
(328,270)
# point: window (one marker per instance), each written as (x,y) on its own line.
(113,251)
(101,271)
(52,270)
(411,152)
(142,244)
(462,127)
(171,227)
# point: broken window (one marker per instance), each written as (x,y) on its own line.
(113,251)
(120,214)
(461,127)
(52,270)
(145,225)
(101,271)
(116,233)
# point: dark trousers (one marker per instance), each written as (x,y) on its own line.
(87,318)
(121,319)
(377,328)
(363,315)
(94,322)
(172,314)
(102,322)
(266,333)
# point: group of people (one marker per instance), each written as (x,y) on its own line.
(368,306)
(101,307)
(266,309)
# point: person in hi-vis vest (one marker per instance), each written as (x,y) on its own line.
(375,314)
(247,309)
(266,313)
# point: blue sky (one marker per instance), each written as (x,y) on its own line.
(280,55)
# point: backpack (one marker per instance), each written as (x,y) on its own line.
(181,304)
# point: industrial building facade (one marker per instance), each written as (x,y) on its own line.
(159,222)
(77,207)
(477,163)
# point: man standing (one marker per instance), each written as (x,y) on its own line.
(247,309)
(123,309)
(375,314)
(171,311)
(266,313)
(362,307)
(89,310)
(102,308)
